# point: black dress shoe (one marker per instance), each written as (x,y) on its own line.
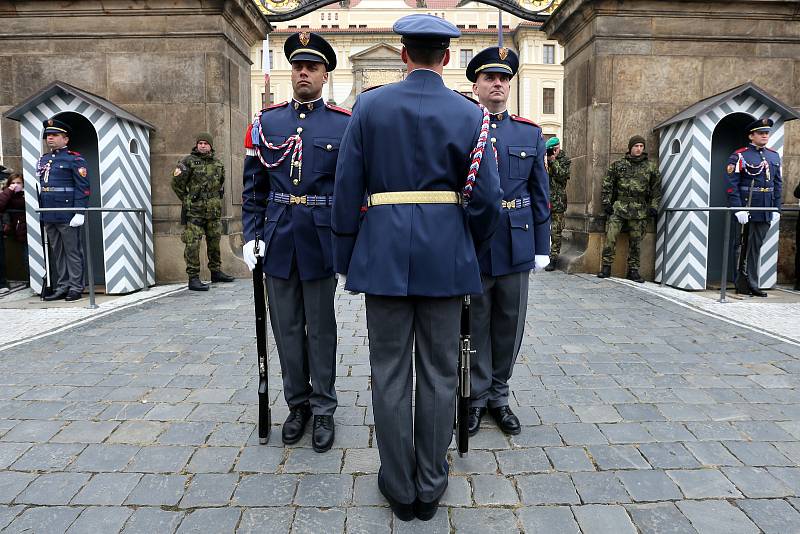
(56,295)
(757,292)
(73,296)
(404,512)
(295,425)
(196,285)
(475,416)
(323,433)
(506,420)
(219,276)
(744,291)
(426,510)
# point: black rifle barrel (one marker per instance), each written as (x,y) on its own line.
(264,412)
(463,394)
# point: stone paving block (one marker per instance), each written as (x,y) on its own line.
(617,433)
(260,459)
(99,457)
(85,432)
(608,457)
(10,452)
(366,492)
(12,483)
(772,516)
(603,519)
(494,490)
(789,449)
(457,493)
(668,431)
(8,513)
(599,488)
(649,486)
(266,521)
(368,520)
(222,413)
(45,519)
(210,395)
(53,489)
(712,453)
(668,456)
(169,412)
(538,436)
(38,410)
(597,414)
(475,462)
(520,461)
(160,459)
(661,518)
(714,431)
(569,459)
(324,490)
(158,490)
(109,489)
(675,412)
(361,461)
(581,434)
(213,460)
(556,488)
(48,457)
(235,434)
(639,412)
(206,520)
(556,414)
(484,520)
(151,520)
(763,431)
(755,482)
(704,484)
(716,517)
(265,490)
(180,433)
(548,519)
(440,524)
(33,431)
(757,453)
(302,460)
(489,439)
(314,520)
(138,432)
(209,490)
(124,411)
(788,475)
(100,519)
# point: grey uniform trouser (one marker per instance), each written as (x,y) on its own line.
(65,244)
(757,231)
(413,447)
(304,325)
(497,323)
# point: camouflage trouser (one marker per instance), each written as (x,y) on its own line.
(192,235)
(636,230)
(556,227)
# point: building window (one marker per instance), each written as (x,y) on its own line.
(134,146)
(270,59)
(473,26)
(460,26)
(466,57)
(549,54)
(549,101)
(676,146)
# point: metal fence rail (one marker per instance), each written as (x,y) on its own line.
(725,244)
(88,244)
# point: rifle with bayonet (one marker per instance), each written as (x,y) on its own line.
(264,412)
(742,283)
(462,395)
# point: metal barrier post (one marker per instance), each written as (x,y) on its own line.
(725,251)
(87,257)
(142,213)
(664,249)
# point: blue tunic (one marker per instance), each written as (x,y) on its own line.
(63,183)
(414,135)
(757,170)
(297,232)
(525,232)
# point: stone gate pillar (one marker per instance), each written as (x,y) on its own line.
(181,65)
(632,64)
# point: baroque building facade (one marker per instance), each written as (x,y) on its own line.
(368,54)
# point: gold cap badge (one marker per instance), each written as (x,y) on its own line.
(503,52)
(765,122)
(304,38)
(50,122)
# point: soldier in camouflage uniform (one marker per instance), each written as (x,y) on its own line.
(631,194)
(199,182)
(558,168)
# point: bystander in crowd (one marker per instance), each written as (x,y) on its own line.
(12,212)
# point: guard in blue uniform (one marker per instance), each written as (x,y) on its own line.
(521,242)
(286,209)
(63,183)
(753,176)
(409,149)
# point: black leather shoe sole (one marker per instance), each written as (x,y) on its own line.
(404,512)
(55,296)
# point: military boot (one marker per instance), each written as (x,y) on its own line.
(196,285)
(633,274)
(552,265)
(605,272)
(219,276)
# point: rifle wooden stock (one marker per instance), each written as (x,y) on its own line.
(464,386)
(264,412)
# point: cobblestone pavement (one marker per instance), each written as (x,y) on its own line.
(639,415)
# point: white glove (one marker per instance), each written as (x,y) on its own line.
(540,261)
(776,216)
(77,220)
(249,254)
(741,216)
(342,278)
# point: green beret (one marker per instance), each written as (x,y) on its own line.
(553,141)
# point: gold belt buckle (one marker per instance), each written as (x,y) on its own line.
(509,204)
(298,200)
